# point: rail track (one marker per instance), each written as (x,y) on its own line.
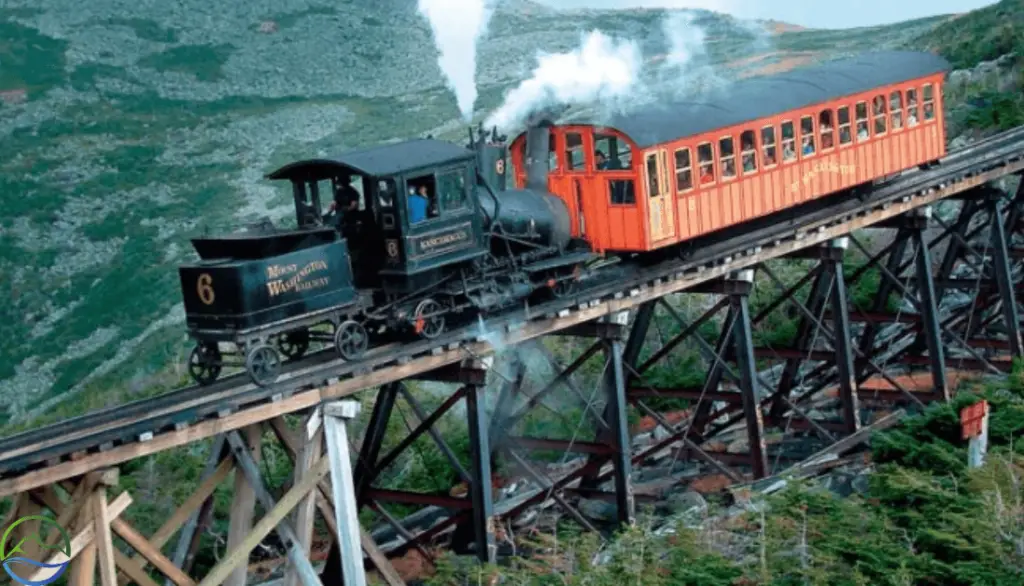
(714,256)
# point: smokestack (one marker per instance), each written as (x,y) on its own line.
(490,157)
(538,140)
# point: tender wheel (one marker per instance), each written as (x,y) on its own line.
(204,364)
(351,340)
(263,362)
(428,320)
(294,344)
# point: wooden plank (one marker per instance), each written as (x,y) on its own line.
(240,554)
(151,553)
(104,539)
(159,443)
(191,504)
(381,561)
(133,568)
(86,535)
(815,233)
(243,505)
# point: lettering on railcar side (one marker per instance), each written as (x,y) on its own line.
(442,242)
(291,278)
(819,168)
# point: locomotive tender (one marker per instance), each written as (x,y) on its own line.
(640,186)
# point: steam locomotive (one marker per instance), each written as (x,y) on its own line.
(365,266)
(424,233)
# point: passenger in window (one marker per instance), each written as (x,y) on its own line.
(879,105)
(929,111)
(808,146)
(418,203)
(844,135)
(788,153)
(748,163)
(602,162)
(729,169)
(707,173)
(862,131)
(912,118)
(826,138)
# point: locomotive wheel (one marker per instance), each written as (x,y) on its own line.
(563,287)
(428,319)
(263,362)
(204,363)
(294,344)
(351,340)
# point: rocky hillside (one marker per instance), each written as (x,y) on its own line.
(126,127)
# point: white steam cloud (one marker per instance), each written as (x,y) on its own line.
(457,26)
(603,70)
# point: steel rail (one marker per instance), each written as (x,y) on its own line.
(132,421)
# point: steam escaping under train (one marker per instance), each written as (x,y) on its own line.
(408,239)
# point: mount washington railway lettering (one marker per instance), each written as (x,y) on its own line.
(296,282)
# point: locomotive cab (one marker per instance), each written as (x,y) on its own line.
(416,214)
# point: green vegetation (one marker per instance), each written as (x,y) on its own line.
(981,35)
(925,520)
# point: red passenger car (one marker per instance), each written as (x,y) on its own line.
(672,172)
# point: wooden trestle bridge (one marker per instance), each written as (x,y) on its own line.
(71,469)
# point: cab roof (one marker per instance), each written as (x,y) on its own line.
(760,97)
(380,160)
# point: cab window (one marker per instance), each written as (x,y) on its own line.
(825,130)
(621,191)
(706,162)
(788,142)
(684,170)
(768,146)
(421,198)
(862,121)
(806,136)
(574,151)
(748,152)
(896,109)
(653,180)
(928,102)
(878,110)
(451,190)
(728,158)
(844,125)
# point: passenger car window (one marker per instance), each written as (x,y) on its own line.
(684,170)
(788,142)
(768,146)
(862,121)
(706,161)
(896,108)
(825,129)
(844,125)
(807,136)
(622,191)
(748,151)
(929,102)
(727,163)
(574,151)
(653,181)
(878,108)
(911,108)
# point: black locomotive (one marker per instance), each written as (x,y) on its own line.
(417,234)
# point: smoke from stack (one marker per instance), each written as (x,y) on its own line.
(457,26)
(602,69)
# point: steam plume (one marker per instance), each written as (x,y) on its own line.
(457,26)
(602,69)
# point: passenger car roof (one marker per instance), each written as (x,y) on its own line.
(386,159)
(759,97)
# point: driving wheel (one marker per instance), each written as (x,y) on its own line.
(428,319)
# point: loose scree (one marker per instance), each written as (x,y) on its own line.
(408,239)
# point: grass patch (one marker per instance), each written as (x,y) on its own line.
(205,62)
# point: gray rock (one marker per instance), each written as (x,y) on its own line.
(597,510)
(689,506)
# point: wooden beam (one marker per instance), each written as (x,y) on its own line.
(104,539)
(86,535)
(305,514)
(151,553)
(276,515)
(243,505)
